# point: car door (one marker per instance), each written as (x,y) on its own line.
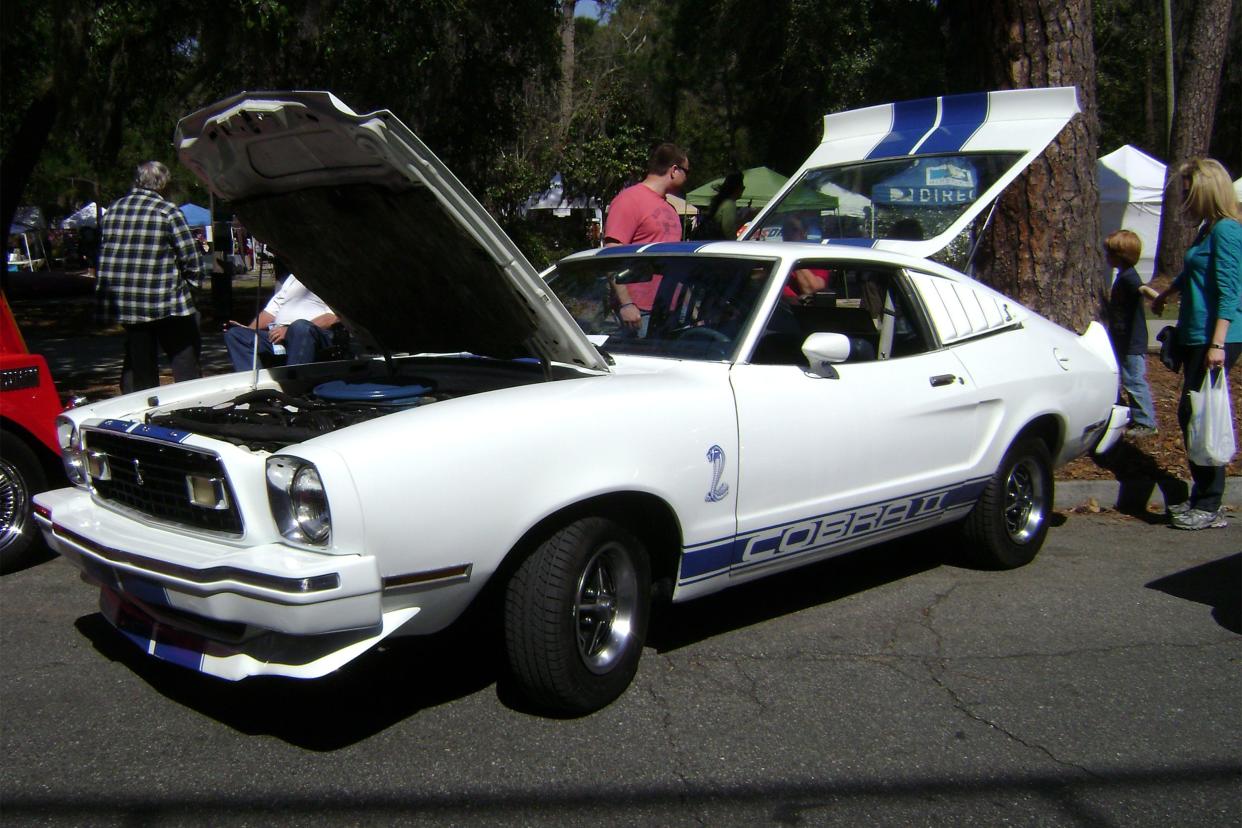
(830,463)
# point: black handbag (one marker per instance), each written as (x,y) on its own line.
(1170,348)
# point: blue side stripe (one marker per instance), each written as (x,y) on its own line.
(911,121)
(962,116)
(702,560)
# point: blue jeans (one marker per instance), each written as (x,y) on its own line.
(301,342)
(1134,381)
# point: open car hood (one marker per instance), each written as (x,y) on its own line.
(374,223)
(911,176)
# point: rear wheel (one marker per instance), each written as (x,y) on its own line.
(21,477)
(576,614)
(1009,523)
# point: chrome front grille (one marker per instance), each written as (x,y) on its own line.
(150,477)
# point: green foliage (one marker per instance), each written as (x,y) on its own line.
(738,83)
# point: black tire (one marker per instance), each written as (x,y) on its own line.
(576,614)
(21,477)
(1008,525)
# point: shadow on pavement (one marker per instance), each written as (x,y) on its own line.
(375,691)
(1067,796)
(774,596)
(400,677)
(1140,475)
(1216,584)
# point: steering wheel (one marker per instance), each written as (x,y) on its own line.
(691,333)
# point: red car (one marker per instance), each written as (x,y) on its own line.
(29,456)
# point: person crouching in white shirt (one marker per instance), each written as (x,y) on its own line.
(295,321)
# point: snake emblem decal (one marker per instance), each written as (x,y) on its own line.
(718,490)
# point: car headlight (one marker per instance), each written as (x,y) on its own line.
(298,501)
(71,454)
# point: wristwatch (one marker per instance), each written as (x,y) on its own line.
(1214,346)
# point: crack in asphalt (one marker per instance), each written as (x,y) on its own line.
(964,708)
(940,664)
(836,655)
(753,683)
(684,785)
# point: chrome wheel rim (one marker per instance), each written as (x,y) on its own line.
(14,504)
(604,606)
(1025,502)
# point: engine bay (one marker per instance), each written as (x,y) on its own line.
(268,419)
(305,402)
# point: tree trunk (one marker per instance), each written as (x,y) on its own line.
(1193,115)
(567,63)
(1044,246)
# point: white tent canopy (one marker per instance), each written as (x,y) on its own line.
(1131,190)
(85,217)
(554,199)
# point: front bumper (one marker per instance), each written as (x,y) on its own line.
(226,610)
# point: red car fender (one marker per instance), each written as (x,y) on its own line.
(28,397)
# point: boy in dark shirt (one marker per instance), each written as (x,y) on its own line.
(1127,328)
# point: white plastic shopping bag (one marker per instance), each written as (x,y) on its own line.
(1209,435)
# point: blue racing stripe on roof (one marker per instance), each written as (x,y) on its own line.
(961,117)
(852,242)
(660,248)
(620,250)
(676,247)
(911,121)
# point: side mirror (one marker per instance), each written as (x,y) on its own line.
(823,350)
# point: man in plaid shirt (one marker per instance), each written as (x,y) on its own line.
(147,259)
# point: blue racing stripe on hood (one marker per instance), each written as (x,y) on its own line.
(168,435)
(911,121)
(961,117)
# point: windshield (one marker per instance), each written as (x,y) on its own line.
(905,198)
(685,307)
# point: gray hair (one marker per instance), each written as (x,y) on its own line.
(152,175)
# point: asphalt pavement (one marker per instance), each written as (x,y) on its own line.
(896,686)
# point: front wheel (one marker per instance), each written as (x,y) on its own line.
(576,614)
(21,478)
(1009,523)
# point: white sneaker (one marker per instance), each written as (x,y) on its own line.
(1194,519)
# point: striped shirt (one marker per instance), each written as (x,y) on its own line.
(147,259)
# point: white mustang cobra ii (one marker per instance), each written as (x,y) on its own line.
(507,440)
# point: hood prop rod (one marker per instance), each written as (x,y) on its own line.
(254,345)
(974,248)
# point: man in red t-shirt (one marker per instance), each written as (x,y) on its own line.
(640,215)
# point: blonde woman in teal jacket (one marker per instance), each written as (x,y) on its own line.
(1209,322)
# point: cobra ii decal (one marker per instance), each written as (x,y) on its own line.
(843,530)
(718,490)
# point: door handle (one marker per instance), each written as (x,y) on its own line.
(942,379)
